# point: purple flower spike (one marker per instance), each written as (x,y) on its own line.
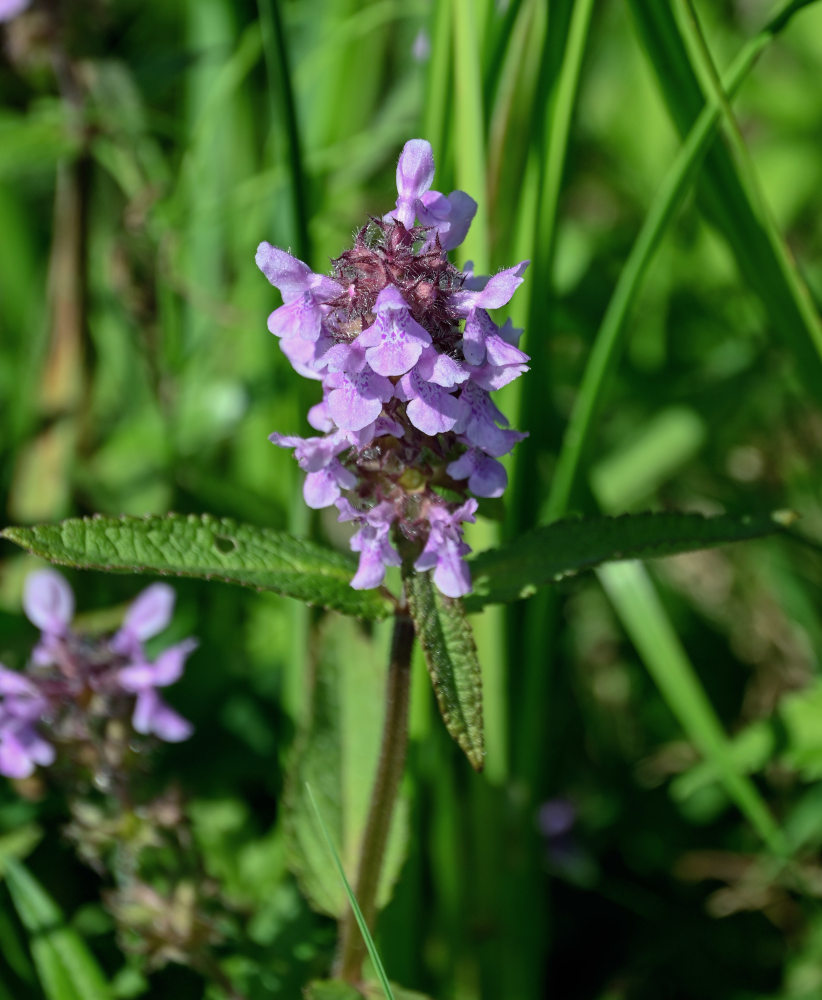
(75,684)
(396,339)
(48,602)
(407,355)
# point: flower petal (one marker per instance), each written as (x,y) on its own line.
(48,601)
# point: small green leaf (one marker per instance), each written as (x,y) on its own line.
(207,547)
(66,967)
(451,656)
(337,756)
(549,553)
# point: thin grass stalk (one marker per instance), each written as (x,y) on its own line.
(281,91)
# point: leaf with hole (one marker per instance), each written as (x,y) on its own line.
(208,547)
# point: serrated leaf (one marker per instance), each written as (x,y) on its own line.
(208,547)
(554,551)
(66,967)
(337,757)
(451,657)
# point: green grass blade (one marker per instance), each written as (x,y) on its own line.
(759,251)
(282,101)
(704,65)
(560,98)
(633,595)
(469,158)
(369,941)
(610,337)
(67,968)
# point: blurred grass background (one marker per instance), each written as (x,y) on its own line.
(655,738)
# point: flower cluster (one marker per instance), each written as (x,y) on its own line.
(75,686)
(408,355)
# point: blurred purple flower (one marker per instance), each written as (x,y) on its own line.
(11,8)
(73,682)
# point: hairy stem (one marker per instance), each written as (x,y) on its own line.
(383,798)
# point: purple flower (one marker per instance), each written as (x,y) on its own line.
(11,8)
(478,422)
(447,217)
(407,355)
(431,408)
(22,748)
(371,541)
(445,548)
(486,476)
(48,602)
(151,714)
(450,217)
(356,398)
(396,339)
(318,456)
(75,684)
(148,614)
(415,175)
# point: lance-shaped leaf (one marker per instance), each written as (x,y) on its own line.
(336,756)
(451,656)
(210,548)
(554,551)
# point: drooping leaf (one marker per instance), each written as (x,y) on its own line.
(554,551)
(451,656)
(337,757)
(65,966)
(210,548)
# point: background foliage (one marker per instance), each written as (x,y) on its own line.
(648,823)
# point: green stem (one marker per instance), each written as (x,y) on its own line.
(383,798)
